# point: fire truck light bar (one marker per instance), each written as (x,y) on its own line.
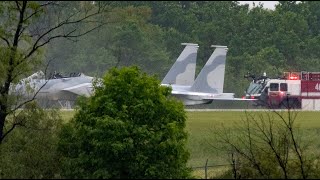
(293,78)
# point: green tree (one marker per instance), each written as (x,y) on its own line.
(130,128)
(131,40)
(31,150)
(25,28)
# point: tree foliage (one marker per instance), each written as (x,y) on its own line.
(26,27)
(130,128)
(31,150)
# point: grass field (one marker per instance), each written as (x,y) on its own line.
(200,126)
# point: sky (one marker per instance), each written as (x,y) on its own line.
(266,4)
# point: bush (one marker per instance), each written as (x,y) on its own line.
(130,128)
(30,151)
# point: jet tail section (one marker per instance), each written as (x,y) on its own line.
(211,76)
(183,70)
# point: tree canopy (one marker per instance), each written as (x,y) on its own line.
(130,128)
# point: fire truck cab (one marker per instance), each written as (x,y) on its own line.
(287,91)
(282,93)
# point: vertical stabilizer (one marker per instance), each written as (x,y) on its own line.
(183,70)
(211,76)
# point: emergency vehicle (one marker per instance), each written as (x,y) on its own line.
(292,90)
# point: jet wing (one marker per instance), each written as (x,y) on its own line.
(240,99)
(219,96)
(81,89)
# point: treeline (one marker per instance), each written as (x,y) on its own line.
(149,33)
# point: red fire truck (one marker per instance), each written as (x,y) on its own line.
(292,90)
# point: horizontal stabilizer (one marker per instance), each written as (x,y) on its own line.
(81,89)
(212,96)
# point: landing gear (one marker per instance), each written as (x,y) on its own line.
(62,104)
(65,104)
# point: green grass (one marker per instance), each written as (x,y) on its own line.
(67,115)
(200,126)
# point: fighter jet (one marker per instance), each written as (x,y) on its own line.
(208,85)
(56,88)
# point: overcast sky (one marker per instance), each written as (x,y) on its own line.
(266,4)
